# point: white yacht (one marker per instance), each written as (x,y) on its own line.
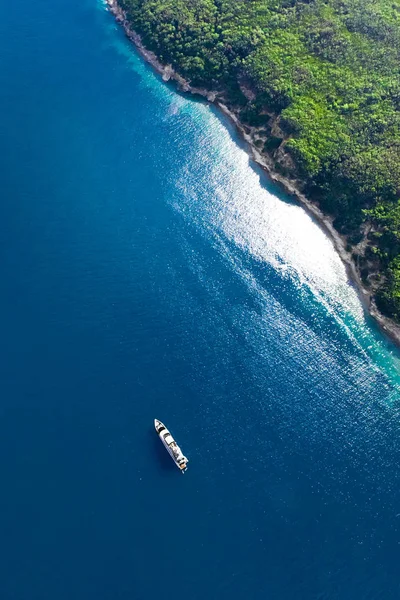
(176,453)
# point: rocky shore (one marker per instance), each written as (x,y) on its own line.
(292,187)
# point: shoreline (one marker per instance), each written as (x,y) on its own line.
(387,326)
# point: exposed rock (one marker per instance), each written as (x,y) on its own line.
(276,130)
(168,72)
(285,160)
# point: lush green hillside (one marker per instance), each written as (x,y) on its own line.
(330,71)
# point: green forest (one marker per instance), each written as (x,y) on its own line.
(321,78)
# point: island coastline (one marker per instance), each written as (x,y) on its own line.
(291,187)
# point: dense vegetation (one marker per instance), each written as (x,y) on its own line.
(321,78)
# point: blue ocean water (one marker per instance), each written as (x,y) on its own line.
(148,270)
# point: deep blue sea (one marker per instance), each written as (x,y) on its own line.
(149,270)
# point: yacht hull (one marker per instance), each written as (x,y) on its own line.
(171,446)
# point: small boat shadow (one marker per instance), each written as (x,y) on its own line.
(163,458)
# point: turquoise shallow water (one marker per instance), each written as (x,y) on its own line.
(148,270)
